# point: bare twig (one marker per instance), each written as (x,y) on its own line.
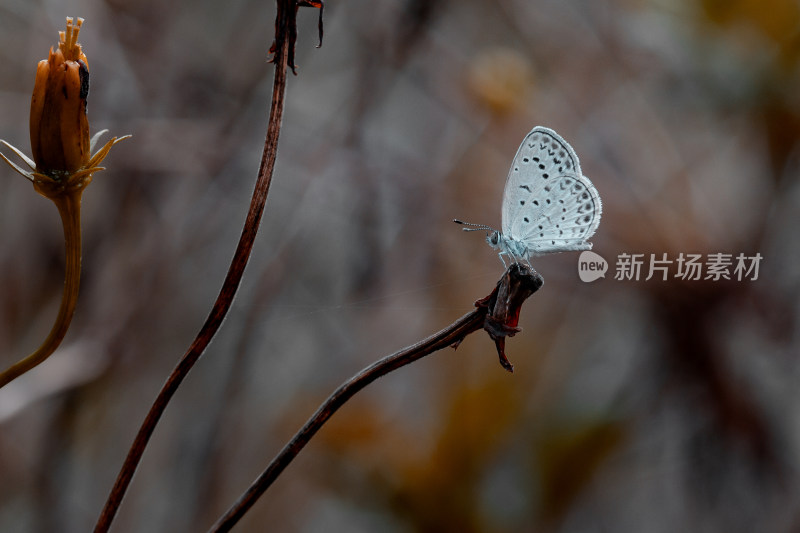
(497,313)
(285,19)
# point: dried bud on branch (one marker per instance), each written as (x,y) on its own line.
(61,167)
(59,126)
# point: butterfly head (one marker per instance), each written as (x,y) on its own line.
(493,238)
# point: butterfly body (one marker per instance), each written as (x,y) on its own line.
(549,206)
(507,245)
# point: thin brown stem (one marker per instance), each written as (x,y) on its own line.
(497,314)
(224,299)
(452,334)
(69,207)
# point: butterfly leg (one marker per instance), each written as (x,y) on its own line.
(500,255)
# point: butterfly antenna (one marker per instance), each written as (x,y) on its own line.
(475,227)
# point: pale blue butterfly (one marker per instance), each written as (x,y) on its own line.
(549,206)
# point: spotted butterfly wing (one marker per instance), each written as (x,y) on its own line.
(548,204)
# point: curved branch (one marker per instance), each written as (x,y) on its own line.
(497,313)
(225,297)
(69,207)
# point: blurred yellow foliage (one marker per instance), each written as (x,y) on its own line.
(567,460)
(501,79)
(779,20)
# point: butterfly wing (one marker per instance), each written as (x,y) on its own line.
(569,214)
(542,157)
(548,204)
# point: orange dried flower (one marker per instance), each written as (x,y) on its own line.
(59,126)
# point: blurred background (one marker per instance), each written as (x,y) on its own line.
(635,406)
